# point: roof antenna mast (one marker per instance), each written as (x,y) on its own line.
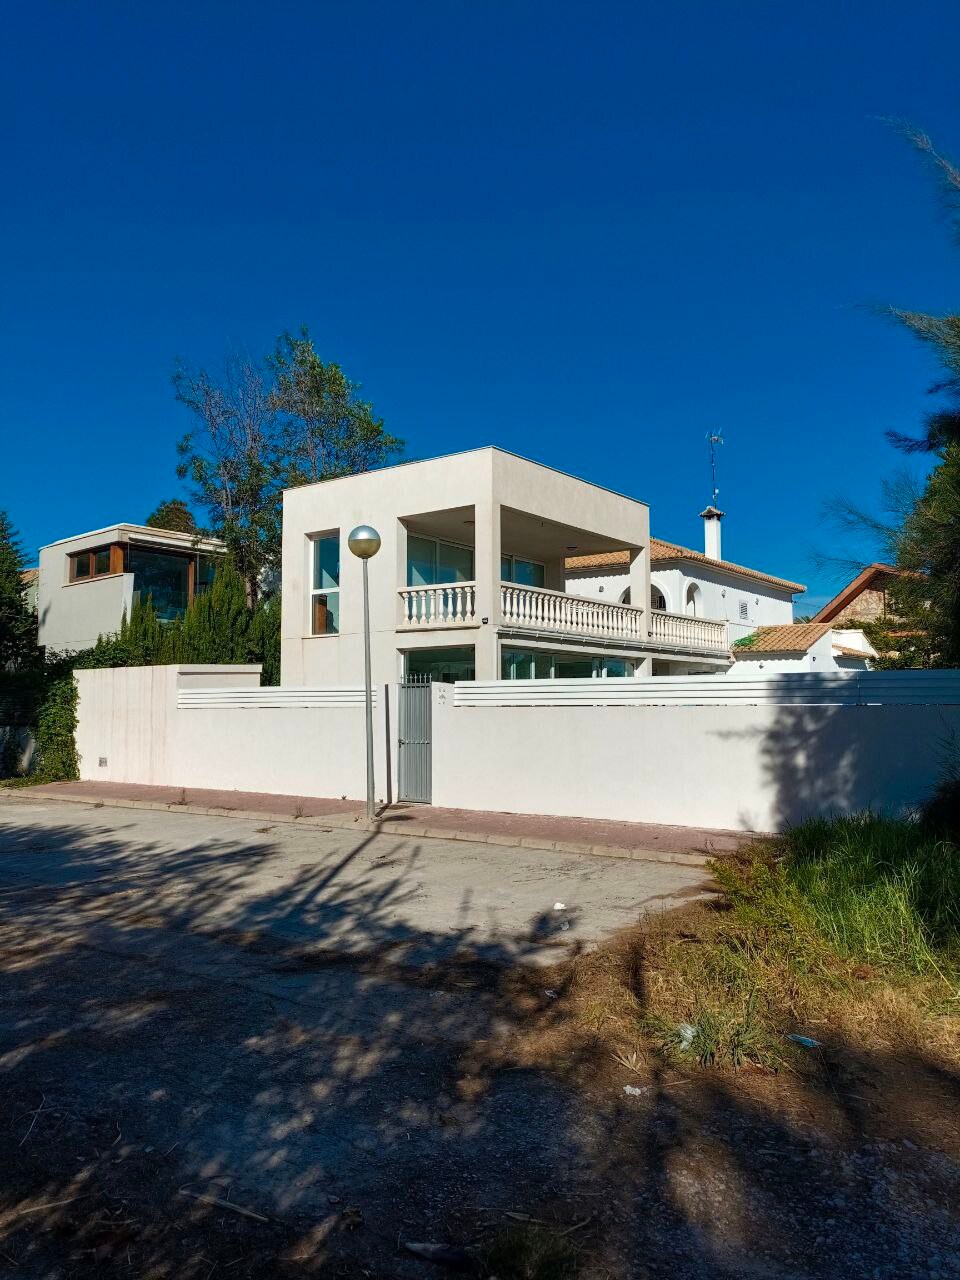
(714,439)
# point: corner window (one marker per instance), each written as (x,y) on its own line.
(96,563)
(525,573)
(325,591)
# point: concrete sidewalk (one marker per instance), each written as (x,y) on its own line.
(693,846)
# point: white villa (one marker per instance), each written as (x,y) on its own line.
(86,582)
(695,584)
(481,587)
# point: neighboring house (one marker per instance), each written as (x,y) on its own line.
(87,582)
(697,584)
(471,578)
(865,598)
(802,646)
(31,582)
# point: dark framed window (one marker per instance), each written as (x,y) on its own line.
(96,563)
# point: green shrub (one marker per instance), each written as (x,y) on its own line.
(56,759)
(871,889)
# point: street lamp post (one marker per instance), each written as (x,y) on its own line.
(364,542)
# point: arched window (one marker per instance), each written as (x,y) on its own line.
(657,599)
(625,598)
(694,605)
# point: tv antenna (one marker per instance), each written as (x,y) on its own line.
(714,438)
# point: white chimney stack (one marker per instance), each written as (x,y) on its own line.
(711,532)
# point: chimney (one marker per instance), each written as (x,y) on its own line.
(711,532)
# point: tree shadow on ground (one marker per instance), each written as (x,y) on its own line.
(177,1023)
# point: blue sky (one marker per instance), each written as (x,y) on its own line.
(586,232)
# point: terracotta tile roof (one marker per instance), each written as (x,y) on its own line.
(851,653)
(661,551)
(29,576)
(793,637)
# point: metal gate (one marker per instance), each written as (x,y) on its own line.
(415,770)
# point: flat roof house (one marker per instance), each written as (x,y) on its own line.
(470,580)
(87,582)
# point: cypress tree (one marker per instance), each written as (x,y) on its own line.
(18,647)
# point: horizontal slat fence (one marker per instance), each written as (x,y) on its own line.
(265,699)
(852,689)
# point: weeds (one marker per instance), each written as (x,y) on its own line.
(847,929)
(530,1253)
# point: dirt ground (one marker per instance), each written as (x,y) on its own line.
(186,1095)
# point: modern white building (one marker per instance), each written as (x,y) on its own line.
(471,579)
(87,582)
(695,584)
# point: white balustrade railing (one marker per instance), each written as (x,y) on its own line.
(683,631)
(553,611)
(452,604)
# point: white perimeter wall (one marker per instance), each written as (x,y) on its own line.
(744,767)
(129,716)
(758,761)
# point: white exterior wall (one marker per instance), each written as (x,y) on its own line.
(129,717)
(484,479)
(731,767)
(72,615)
(720,594)
(746,760)
(819,657)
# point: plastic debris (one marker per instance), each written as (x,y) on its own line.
(633,1091)
(444,1255)
(806,1041)
(559,906)
(550,993)
(687,1033)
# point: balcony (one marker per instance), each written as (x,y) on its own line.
(541,610)
(680,631)
(452,604)
(537,609)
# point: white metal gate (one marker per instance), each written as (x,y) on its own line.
(415,769)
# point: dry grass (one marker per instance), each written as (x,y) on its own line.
(849,946)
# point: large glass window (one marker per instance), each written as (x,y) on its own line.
(443,665)
(430,561)
(325,591)
(526,573)
(206,568)
(536,664)
(164,578)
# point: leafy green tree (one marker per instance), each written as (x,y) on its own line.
(327,430)
(232,462)
(261,427)
(18,627)
(173,514)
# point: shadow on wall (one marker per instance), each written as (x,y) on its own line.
(826,760)
(180,1020)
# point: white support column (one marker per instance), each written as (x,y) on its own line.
(486,557)
(640,583)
